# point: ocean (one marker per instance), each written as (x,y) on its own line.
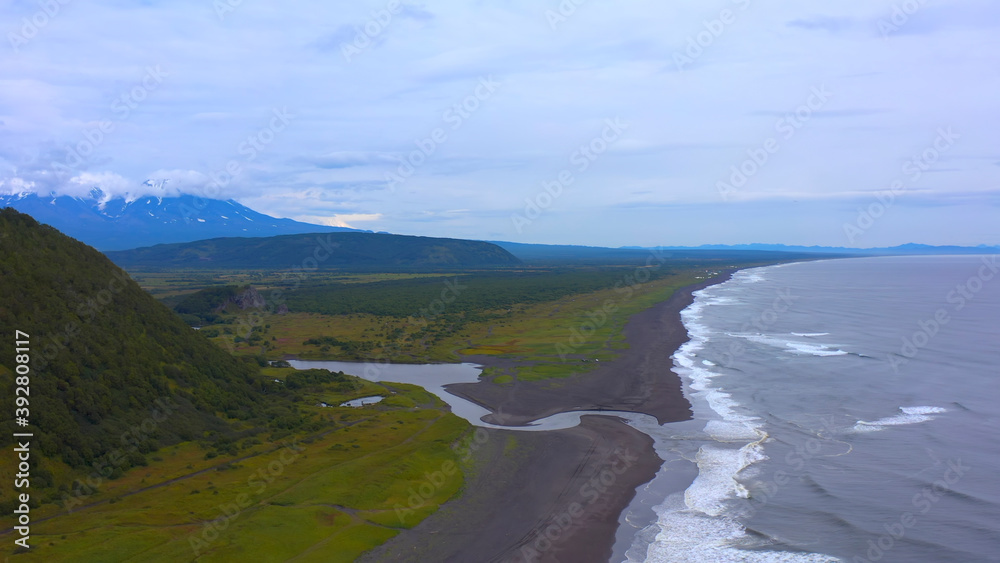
(845,410)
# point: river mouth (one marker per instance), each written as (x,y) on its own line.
(436,377)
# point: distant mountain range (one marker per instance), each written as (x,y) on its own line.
(325,251)
(111,224)
(903,249)
(596,254)
(118,223)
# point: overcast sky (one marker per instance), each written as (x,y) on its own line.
(850,123)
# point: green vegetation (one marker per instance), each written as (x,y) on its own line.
(468,295)
(311,480)
(538,319)
(328,495)
(104,353)
(323,251)
(558,339)
(145,432)
(203,306)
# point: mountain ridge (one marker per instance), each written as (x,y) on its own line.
(121,223)
(104,353)
(901,249)
(322,251)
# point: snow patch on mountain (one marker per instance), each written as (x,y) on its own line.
(118,223)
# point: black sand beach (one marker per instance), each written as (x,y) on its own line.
(557,496)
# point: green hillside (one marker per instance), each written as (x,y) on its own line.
(324,251)
(106,357)
(150,443)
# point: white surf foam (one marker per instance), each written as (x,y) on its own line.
(716,482)
(810,334)
(695,527)
(814,349)
(690,536)
(791,346)
(923,410)
(910,415)
(748,276)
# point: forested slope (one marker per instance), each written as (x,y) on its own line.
(350,251)
(106,356)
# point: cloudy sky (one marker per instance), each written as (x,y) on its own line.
(850,123)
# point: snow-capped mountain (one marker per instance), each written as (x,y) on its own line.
(120,223)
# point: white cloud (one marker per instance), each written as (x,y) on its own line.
(341,220)
(354,119)
(348,159)
(15,186)
(110,183)
(171,183)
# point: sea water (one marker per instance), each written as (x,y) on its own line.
(845,410)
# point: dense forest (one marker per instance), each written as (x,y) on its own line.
(106,357)
(320,251)
(469,294)
(206,301)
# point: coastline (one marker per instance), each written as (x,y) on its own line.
(559,495)
(640,380)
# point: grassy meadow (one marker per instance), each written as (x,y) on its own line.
(356,476)
(327,495)
(541,338)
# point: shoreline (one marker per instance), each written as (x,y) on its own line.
(648,386)
(562,494)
